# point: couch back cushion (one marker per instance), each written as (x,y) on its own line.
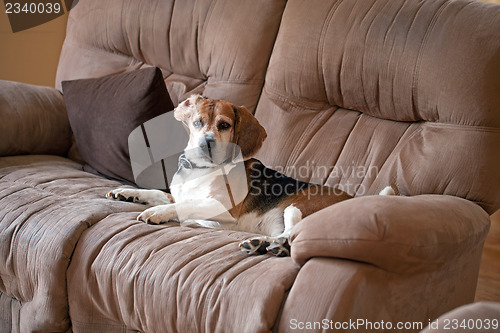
(218,48)
(372,93)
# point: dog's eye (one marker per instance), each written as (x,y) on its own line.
(224,125)
(197,123)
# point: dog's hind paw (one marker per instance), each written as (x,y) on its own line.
(261,245)
(255,245)
(279,247)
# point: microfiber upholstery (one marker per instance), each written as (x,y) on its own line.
(400,93)
(47,202)
(218,48)
(150,278)
(33,120)
(170,278)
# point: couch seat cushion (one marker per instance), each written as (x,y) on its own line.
(123,273)
(169,278)
(46,202)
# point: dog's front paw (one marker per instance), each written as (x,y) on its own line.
(279,247)
(124,194)
(158,214)
(145,197)
(255,245)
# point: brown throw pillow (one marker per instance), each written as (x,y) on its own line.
(103,111)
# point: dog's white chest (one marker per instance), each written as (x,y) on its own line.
(192,184)
(226,184)
(201,194)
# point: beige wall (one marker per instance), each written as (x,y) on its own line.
(31,56)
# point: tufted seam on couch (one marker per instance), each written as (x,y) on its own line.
(348,136)
(394,180)
(94,49)
(308,132)
(322,39)
(30,185)
(416,70)
(293,102)
(461,127)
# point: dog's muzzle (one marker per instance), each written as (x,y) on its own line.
(207,146)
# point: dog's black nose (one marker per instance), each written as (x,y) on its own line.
(210,142)
(207,141)
(207,144)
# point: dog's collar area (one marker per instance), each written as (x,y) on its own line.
(187,164)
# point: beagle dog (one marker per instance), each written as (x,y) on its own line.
(219,184)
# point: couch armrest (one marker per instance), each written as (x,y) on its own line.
(398,234)
(34,120)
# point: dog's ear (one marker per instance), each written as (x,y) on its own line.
(249,133)
(185,109)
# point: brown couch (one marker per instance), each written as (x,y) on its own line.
(356,93)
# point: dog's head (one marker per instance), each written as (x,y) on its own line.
(217,128)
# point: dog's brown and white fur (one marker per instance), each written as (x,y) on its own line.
(212,123)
